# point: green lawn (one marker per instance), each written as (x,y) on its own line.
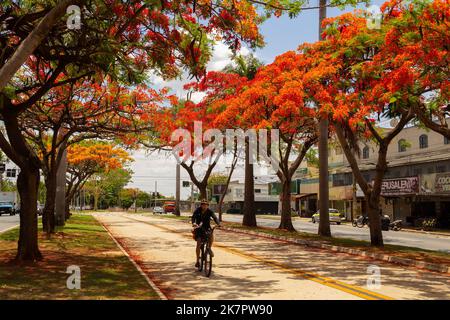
(106,273)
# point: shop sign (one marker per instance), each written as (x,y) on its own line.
(442,183)
(400,186)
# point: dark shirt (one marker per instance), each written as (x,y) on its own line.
(204,218)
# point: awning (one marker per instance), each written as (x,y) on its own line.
(302,195)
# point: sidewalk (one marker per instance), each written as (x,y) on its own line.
(250,267)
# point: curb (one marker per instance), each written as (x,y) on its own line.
(427,232)
(10,228)
(442,268)
(161,295)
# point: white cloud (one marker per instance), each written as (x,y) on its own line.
(220,59)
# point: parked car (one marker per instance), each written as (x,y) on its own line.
(169,206)
(335,216)
(159,210)
(7,208)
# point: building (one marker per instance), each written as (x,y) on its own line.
(416,185)
(265,203)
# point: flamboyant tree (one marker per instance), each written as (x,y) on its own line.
(86,110)
(276,99)
(133,37)
(368,80)
(200,149)
(417,49)
(88,158)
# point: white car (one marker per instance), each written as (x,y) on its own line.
(159,210)
(335,216)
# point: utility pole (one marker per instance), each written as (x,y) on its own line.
(177,191)
(156,191)
(60,203)
(324,223)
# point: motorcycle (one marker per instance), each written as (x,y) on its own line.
(395,225)
(360,221)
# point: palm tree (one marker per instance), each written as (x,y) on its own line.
(247,66)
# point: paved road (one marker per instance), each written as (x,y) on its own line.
(249,267)
(410,239)
(7,222)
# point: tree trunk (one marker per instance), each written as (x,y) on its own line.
(48,215)
(27,183)
(249,218)
(376,235)
(202,188)
(96,196)
(286,219)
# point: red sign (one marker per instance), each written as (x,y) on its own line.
(400,186)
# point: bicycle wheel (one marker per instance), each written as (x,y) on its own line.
(202,257)
(208,262)
(359,224)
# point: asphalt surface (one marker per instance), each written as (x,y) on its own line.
(402,238)
(7,222)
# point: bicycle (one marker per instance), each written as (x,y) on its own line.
(205,254)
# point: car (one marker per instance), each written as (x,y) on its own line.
(159,210)
(335,216)
(169,207)
(7,208)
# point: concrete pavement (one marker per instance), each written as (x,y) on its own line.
(409,239)
(7,222)
(248,267)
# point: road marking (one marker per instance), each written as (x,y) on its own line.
(350,289)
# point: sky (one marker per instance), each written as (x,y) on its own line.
(281,35)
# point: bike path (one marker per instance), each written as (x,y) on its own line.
(248,267)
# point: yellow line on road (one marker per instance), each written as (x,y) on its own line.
(351,289)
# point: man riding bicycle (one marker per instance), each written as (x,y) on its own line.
(201,221)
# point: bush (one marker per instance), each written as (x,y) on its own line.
(429,224)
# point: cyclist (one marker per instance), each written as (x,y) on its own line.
(201,221)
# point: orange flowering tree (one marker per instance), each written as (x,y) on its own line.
(276,99)
(201,150)
(72,113)
(373,74)
(88,158)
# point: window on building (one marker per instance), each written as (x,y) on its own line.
(239,193)
(11,173)
(402,145)
(423,141)
(446,140)
(257,190)
(366,152)
(440,168)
